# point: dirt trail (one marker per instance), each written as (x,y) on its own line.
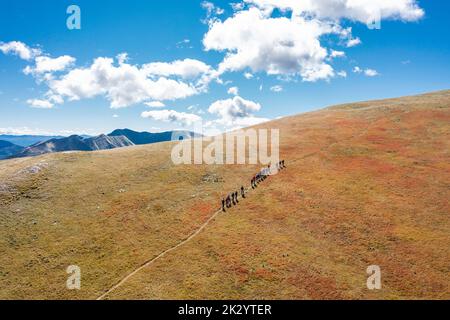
(203,226)
(162,254)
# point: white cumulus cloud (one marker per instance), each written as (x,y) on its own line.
(41,104)
(120,82)
(235,112)
(289,43)
(276,88)
(19,49)
(278,46)
(363,11)
(155,104)
(371,72)
(248,75)
(122,85)
(211,9)
(337,54)
(46,64)
(182,118)
(187,68)
(368,72)
(233,91)
(353,42)
(342,74)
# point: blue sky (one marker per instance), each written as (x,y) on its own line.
(408,55)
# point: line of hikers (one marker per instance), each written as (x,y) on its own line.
(232,199)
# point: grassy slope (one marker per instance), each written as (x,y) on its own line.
(366,183)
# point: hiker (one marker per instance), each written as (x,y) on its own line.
(242,192)
(236,197)
(223,204)
(228,201)
(232,198)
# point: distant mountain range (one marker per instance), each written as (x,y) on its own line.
(7,149)
(117,139)
(148,138)
(26,140)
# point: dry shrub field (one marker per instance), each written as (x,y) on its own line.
(366,184)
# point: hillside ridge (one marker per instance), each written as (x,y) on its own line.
(366,187)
